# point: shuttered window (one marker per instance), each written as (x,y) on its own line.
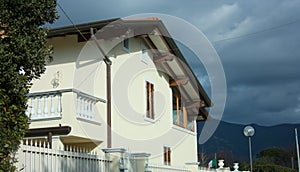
(167,155)
(150,100)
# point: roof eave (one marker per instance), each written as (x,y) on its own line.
(74,29)
(68,30)
(178,54)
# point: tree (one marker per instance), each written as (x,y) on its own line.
(262,166)
(23,54)
(274,159)
(202,158)
(278,156)
(244,166)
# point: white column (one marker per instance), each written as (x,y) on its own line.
(45,105)
(52,109)
(78,105)
(82,107)
(91,114)
(86,108)
(32,111)
(89,105)
(39,110)
(59,105)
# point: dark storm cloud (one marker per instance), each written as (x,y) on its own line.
(262,68)
(263,59)
(263,75)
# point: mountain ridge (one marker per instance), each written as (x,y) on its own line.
(229,137)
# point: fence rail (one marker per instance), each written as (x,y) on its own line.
(39,157)
(160,168)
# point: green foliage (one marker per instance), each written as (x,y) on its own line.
(244,166)
(278,156)
(262,166)
(23,54)
(275,160)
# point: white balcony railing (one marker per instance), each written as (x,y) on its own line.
(48,105)
(44,106)
(85,105)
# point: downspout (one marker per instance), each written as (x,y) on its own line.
(108,88)
(108,85)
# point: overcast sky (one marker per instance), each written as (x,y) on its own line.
(258,43)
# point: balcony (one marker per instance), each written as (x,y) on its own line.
(183,120)
(48,105)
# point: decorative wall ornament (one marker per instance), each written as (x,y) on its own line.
(56,79)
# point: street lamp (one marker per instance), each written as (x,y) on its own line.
(249,132)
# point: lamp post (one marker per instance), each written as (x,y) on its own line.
(249,132)
(297,146)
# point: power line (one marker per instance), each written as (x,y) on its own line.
(257,32)
(70,20)
(214,42)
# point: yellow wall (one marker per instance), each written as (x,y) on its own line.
(80,66)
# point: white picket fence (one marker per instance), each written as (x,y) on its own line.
(160,168)
(38,157)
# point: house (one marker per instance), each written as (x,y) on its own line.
(119,85)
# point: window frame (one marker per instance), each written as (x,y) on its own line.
(167,155)
(124,46)
(181,111)
(150,100)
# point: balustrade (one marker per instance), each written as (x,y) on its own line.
(38,106)
(48,105)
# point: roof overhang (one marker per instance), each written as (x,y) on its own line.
(168,57)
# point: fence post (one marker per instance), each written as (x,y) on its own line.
(56,143)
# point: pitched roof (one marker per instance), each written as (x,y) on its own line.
(117,26)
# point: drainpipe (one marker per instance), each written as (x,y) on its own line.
(108,85)
(108,88)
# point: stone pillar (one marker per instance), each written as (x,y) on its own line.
(140,161)
(57,143)
(116,158)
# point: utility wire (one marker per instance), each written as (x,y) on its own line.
(214,42)
(70,20)
(257,32)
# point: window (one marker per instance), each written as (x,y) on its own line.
(181,115)
(178,115)
(167,155)
(144,56)
(125,44)
(150,100)
(178,118)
